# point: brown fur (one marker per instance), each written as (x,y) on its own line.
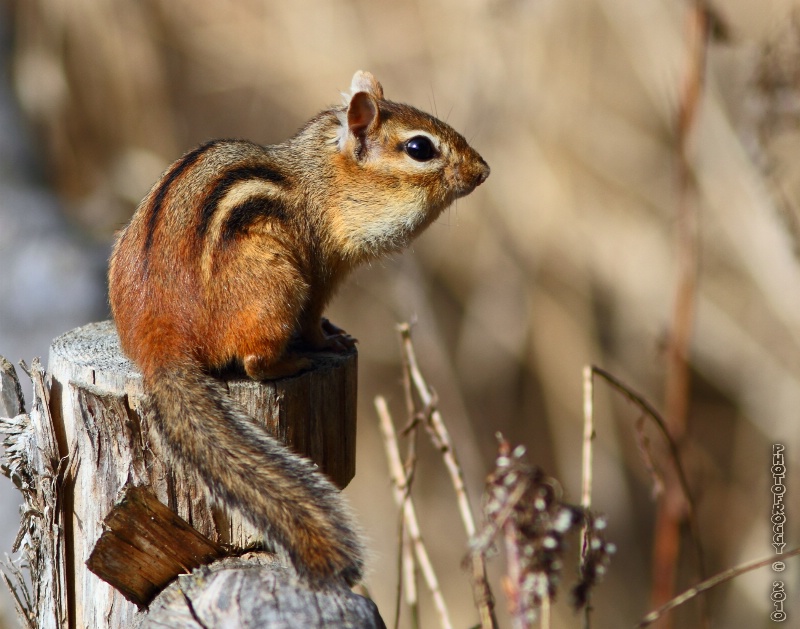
(235,251)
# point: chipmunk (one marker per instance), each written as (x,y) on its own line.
(234,253)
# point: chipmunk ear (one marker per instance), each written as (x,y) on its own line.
(363,111)
(362,114)
(365,82)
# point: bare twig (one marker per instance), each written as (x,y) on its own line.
(643,442)
(409,578)
(441,437)
(483,541)
(406,505)
(413,419)
(545,623)
(440,431)
(401,566)
(666,545)
(651,412)
(714,581)
(586,473)
(514,571)
(588,437)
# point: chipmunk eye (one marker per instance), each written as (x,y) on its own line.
(420,148)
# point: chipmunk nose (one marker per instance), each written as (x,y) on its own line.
(483,171)
(468,173)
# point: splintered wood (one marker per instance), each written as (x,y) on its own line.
(146,545)
(32,461)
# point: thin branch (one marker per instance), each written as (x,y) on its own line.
(413,418)
(545,622)
(409,575)
(513,577)
(588,437)
(406,505)
(481,591)
(586,472)
(443,436)
(651,412)
(643,443)
(401,550)
(714,581)
(666,545)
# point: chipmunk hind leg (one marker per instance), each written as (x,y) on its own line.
(270,296)
(260,367)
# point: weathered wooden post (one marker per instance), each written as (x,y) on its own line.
(99,499)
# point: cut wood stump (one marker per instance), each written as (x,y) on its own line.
(95,483)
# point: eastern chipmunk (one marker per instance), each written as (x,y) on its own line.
(235,252)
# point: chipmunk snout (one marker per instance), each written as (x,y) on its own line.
(468,175)
(483,172)
(475,172)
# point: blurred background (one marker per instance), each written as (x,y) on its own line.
(569,255)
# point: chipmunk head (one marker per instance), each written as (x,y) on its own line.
(400,168)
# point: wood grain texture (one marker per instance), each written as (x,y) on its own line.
(12,402)
(32,459)
(254,592)
(145,545)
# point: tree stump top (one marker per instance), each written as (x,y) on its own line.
(314,413)
(92,355)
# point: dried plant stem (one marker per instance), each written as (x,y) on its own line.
(586,471)
(512,579)
(588,438)
(545,622)
(714,581)
(406,505)
(444,443)
(519,615)
(409,578)
(653,414)
(441,437)
(492,528)
(406,577)
(666,545)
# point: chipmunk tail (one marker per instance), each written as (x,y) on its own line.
(246,469)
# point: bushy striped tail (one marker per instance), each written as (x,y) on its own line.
(246,469)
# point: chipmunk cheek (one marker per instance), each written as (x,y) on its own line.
(453,177)
(459,180)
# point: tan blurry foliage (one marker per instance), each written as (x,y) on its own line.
(565,257)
